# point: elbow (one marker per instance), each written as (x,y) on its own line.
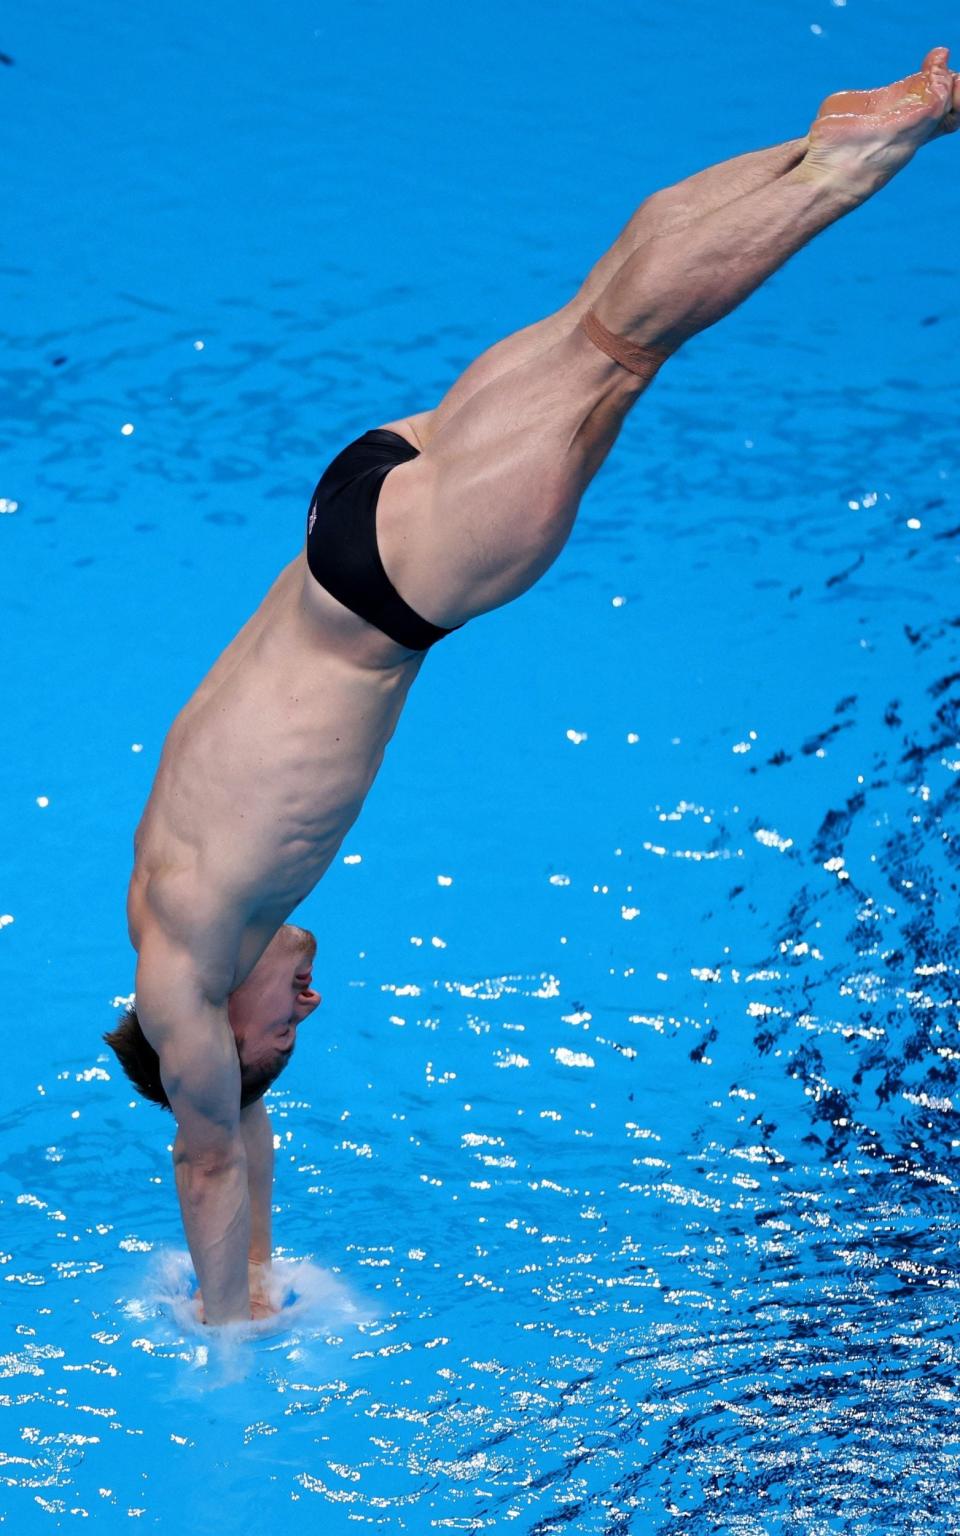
(211,1186)
(211,1159)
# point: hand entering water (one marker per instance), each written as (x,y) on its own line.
(261,1302)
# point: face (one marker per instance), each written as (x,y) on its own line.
(267,1009)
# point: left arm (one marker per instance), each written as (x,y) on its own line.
(257,1135)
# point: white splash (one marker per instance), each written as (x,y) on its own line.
(310,1302)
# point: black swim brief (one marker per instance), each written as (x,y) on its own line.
(342,550)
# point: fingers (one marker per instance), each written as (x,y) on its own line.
(259,1273)
(260,1304)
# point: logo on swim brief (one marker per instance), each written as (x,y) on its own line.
(311,520)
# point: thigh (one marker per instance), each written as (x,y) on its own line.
(505,355)
(490,502)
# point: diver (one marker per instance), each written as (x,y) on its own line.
(413,530)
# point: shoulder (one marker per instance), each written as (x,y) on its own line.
(190,958)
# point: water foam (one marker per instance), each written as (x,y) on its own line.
(311,1303)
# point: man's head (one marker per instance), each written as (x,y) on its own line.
(266,1009)
(264,1013)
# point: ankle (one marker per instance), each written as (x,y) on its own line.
(845,184)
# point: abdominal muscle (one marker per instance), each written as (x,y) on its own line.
(263,773)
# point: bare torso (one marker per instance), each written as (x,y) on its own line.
(263,772)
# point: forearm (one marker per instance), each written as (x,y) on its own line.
(678,284)
(257,1134)
(185,1018)
(215,1205)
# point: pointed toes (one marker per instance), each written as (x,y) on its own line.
(937,58)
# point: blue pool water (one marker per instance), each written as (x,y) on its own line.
(618,1173)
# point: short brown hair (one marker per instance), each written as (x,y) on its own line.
(141,1063)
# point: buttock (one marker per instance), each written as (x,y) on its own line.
(342,549)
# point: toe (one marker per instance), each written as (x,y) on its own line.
(937,58)
(940,81)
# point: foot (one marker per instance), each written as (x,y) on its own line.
(860,139)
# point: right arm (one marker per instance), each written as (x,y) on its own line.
(200,1070)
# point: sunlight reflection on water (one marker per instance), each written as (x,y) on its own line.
(625,1149)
